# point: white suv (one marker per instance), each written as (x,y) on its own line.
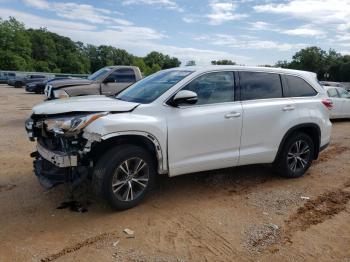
(180,121)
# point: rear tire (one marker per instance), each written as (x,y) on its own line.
(296,156)
(124,176)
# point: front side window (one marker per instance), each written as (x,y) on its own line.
(258,85)
(299,87)
(150,88)
(124,75)
(213,88)
(332,92)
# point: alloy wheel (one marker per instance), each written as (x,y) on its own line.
(298,156)
(130,179)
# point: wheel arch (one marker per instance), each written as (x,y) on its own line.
(311,129)
(138,138)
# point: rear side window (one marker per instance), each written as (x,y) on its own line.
(299,87)
(332,92)
(257,85)
(124,75)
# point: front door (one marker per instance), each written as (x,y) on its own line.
(206,135)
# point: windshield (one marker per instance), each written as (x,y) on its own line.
(150,88)
(98,74)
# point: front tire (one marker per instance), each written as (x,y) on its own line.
(296,156)
(124,176)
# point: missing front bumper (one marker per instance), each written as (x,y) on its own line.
(59,159)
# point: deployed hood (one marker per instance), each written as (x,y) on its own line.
(70,82)
(96,103)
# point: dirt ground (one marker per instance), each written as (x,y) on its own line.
(238,214)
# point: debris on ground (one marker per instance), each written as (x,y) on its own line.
(116,243)
(305,198)
(73,206)
(129,232)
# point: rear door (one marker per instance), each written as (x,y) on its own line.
(267,115)
(337,102)
(122,78)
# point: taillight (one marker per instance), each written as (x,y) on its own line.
(327,103)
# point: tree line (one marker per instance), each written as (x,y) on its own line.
(43,51)
(40,50)
(329,65)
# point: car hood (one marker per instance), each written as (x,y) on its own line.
(96,103)
(56,84)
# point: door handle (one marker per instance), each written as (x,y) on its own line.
(288,108)
(232,115)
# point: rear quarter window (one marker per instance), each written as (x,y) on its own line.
(298,87)
(259,85)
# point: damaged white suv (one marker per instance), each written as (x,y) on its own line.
(180,121)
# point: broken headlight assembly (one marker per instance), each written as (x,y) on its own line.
(71,125)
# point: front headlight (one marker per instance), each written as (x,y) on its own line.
(71,125)
(60,94)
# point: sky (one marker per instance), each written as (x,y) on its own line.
(249,32)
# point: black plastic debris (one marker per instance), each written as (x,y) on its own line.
(73,206)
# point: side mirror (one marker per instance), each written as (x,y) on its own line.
(109,80)
(184,97)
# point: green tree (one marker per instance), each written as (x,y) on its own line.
(223,62)
(15,43)
(151,70)
(164,61)
(42,50)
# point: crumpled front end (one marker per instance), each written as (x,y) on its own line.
(62,150)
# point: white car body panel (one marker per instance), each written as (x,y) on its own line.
(265,123)
(203,137)
(341,105)
(198,138)
(96,103)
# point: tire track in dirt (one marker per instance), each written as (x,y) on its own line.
(318,210)
(205,237)
(313,212)
(75,247)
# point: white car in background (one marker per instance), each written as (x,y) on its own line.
(341,102)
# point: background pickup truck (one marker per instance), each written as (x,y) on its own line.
(109,80)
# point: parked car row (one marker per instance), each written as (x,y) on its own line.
(22,80)
(109,80)
(6,76)
(175,122)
